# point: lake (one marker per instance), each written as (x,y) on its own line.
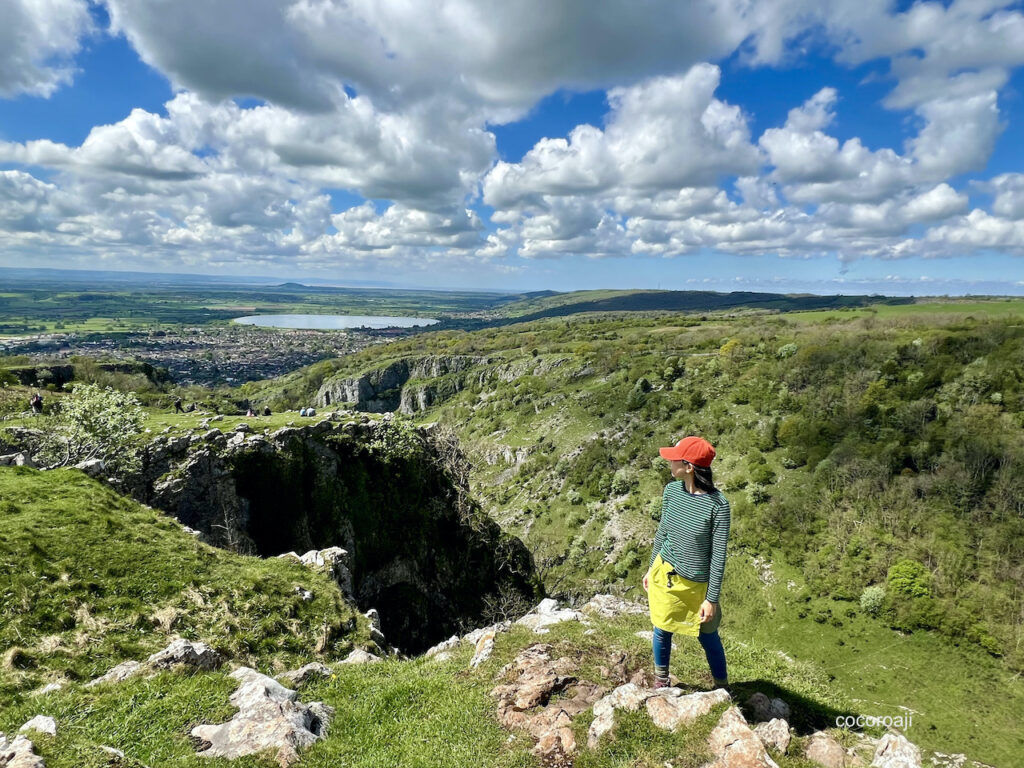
(330,322)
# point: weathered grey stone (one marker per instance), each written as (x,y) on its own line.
(359,656)
(894,751)
(775,733)
(823,749)
(41,723)
(192,654)
(444,645)
(269,718)
(298,676)
(484,649)
(476,634)
(734,745)
(629,697)
(765,709)
(610,606)
(19,753)
(117,674)
(92,467)
(546,615)
(669,709)
(243,427)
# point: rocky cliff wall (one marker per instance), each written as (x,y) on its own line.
(410,385)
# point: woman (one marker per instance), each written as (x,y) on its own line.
(684,577)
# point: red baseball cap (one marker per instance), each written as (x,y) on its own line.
(695,450)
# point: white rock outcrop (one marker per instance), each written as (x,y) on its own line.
(19,753)
(547,614)
(269,717)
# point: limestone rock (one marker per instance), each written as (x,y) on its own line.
(296,677)
(609,606)
(823,749)
(774,733)
(525,702)
(181,651)
(335,560)
(547,614)
(443,646)
(16,460)
(894,751)
(359,656)
(765,709)
(484,649)
(92,467)
(117,674)
(734,745)
(41,723)
(629,697)
(476,634)
(269,718)
(243,427)
(19,753)
(49,688)
(669,708)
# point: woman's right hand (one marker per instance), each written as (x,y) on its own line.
(646,577)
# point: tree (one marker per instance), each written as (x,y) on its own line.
(95,423)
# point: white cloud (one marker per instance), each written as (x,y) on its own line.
(38,39)
(665,133)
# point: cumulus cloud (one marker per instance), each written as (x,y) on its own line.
(391,101)
(38,39)
(665,133)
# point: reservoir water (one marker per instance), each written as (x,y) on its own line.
(333,322)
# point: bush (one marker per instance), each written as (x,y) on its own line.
(94,423)
(872,599)
(910,578)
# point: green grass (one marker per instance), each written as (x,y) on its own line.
(89,579)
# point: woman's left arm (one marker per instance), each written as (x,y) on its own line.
(720,521)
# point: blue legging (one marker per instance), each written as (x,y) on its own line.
(710,641)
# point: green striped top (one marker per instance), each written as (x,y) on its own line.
(692,534)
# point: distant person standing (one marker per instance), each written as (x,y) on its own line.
(36,403)
(177,406)
(684,577)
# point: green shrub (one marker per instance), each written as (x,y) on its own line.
(872,599)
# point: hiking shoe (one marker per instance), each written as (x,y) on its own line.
(661,683)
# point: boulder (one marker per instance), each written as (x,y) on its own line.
(629,697)
(822,748)
(243,427)
(19,753)
(117,674)
(669,708)
(774,733)
(297,677)
(764,709)
(547,614)
(734,745)
(359,656)
(894,751)
(41,723)
(192,654)
(92,467)
(443,646)
(484,649)
(609,606)
(269,717)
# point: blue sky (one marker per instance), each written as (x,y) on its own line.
(829,147)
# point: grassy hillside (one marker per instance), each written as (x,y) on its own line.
(89,579)
(864,448)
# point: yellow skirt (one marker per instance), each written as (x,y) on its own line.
(674,601)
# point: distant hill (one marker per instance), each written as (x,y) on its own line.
(549,304)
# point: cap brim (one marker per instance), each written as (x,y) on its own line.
(671,453)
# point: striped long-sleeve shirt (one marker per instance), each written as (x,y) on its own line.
(692,535)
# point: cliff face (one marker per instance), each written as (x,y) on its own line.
(414,384)
(420,549)
(385,389)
